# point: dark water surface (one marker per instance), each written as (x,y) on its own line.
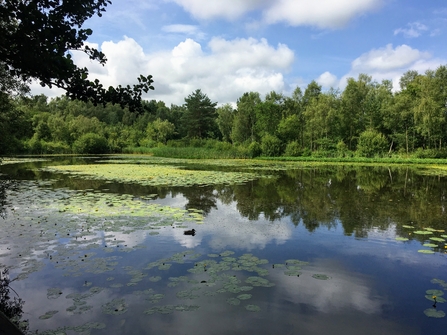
(243,270)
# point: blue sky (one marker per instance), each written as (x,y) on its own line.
(228,47)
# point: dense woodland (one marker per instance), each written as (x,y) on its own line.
(367,119)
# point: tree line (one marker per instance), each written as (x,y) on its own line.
(366,118)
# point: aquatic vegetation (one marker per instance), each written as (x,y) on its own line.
(426,251)
(154,175)
(115,307)
(434,313)
(48,315)
(401,239)
(430,245)
(253,308)
(321,276)
(423,232)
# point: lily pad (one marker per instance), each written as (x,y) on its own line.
(233,301)
(401,239)
(253,308)
(437,293)
(408,226)
(320,276)
(431,297)
(434,313)
(115,307)
(426,251)
(422,232)
(48,315)
(437,239)
(430,245)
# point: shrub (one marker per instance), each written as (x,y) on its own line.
(372,143)
(271,146)
(91,144)
(254,149)
(293,149)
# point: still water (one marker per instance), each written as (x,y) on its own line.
(294,250)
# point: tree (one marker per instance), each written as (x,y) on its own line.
(159,130)
(353,112)
(36,41)
(199,117)
(225,117)
(245,118)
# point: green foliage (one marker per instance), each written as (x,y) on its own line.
(36,37)
(159,131)
(293,149)
(11,307)
(371,144)
(271,146)
(225,117)
(254,149)
(288,128)
(91,143)
(430,153)
(199,118)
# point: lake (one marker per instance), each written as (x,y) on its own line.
(141,245)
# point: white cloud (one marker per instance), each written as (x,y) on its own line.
(229,9)
(385,59)
(415,30)
(223,69)
(390,63)
(319,13)
(184,29)
(327,80)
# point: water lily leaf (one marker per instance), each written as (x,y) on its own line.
(422,232)
(425,251)
(408,226)
(321,276)
(54,293)
(430,245)
(401,239)
(233,301)
(48,315)
(434,313)
(115,307)
(432,298)
(244,296)
(253,308)
(437,239)
(437,293)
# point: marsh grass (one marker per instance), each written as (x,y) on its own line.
(191,152)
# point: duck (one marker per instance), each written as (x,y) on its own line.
(191,232)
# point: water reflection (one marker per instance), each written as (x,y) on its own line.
(342,220)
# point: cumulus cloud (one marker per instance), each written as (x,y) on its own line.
(327,80)
(390,63)
(321,13)
(415,29)
(223,69)
(387,58)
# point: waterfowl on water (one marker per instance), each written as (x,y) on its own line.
(191,232)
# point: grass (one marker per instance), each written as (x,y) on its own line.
(241,153)
(189,152)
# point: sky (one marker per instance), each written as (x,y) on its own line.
(229,47)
